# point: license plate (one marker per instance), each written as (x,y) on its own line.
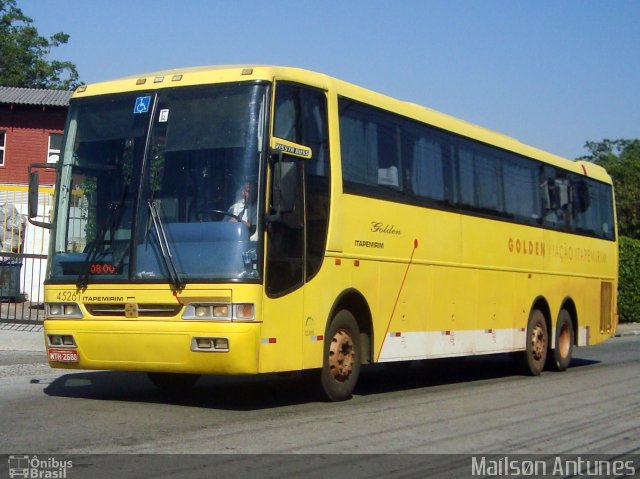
(63,355)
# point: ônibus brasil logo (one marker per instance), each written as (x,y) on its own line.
(33,467)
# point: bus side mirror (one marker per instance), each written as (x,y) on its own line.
(285,176)
(34,183)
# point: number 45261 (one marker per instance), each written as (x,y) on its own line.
(67,296)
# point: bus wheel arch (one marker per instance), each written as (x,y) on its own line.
(537,348)
(564,337)
(352,300)
(346,346)
(569,305)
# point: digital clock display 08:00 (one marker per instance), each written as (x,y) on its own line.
(102,268)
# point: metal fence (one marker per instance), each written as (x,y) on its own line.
(23,256)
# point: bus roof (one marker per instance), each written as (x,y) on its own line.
(236,73)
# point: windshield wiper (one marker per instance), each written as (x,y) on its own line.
(165,249)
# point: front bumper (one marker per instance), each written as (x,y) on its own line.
(157,346)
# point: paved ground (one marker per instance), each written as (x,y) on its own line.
(117,424)
(22,337)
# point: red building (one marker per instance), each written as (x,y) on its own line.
(31,126)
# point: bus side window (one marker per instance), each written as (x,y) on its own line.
(555,192)
(520,180)
(426,173)
(359,148)
(370,147)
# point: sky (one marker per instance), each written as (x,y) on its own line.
(551,73)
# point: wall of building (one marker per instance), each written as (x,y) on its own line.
(27,140)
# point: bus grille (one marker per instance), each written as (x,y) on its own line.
(605,306)
(144,310)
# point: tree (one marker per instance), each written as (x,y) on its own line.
(605,150)
(23,54)
(621,158)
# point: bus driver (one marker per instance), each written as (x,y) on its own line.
(245,209)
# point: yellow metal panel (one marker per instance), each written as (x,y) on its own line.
(319,296)
(280,342)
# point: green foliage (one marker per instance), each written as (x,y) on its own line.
(23,54)
(629,286)
(605,150)
(621,158)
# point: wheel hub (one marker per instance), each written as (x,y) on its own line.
(538,345)
(564,341)
(341,355)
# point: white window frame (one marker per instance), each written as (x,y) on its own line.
(53,151)
(3,147)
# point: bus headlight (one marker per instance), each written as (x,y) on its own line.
(63,311)
(220,311)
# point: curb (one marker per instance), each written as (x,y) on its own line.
(627,333)
(628,329)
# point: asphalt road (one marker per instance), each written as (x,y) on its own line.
(470,406)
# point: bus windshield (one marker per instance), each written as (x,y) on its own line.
(161,186)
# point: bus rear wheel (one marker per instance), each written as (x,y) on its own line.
(564,339)
(173,382)
(342,357)
(535,354)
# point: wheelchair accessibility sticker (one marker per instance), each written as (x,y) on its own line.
(142,104)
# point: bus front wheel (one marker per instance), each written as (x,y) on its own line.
(342,357)
(565,337)
(535,354)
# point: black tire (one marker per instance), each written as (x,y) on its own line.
(537,347)
(173,382)
(342,357)
(564,339)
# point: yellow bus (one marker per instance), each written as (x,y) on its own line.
(238,220)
